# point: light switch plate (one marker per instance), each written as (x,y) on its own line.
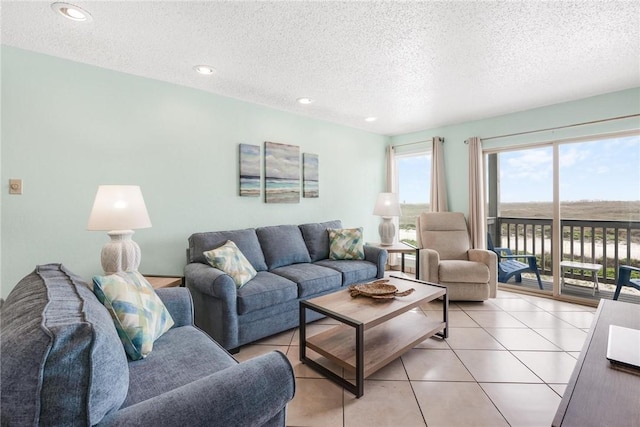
(15,186)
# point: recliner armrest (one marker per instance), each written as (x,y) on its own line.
(179,304)
(250,393)
(429,265)
(490,259)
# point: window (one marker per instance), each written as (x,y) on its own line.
(414,182)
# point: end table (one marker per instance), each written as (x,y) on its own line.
(401,248)
(164,281)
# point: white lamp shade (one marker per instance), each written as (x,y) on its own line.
(387,205)
(118,207)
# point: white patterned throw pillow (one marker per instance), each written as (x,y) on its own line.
(137,311)
(346,243)
(229,259)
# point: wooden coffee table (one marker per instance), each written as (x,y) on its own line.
(372,333)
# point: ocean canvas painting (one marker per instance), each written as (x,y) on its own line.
(281,173)
(310,188)
(249,170)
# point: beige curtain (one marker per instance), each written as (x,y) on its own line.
(392,187)
(477,222)
(438,182)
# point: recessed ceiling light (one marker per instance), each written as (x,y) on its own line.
(207,70)
(70,11)
(370,119)
(305,101)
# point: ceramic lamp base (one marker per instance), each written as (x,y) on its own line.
(121,253)
(387,231)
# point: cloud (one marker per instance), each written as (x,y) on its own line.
(572,155)
(530,165)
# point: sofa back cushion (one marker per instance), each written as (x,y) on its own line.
(62,360)
(316,237)
(246,240)
(282,245)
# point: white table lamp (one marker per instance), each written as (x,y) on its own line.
(119,209)
(387,206)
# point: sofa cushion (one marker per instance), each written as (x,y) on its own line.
(138,313)
(454,271)
(352,271)
(246,240)
(282,245)
(346,243)
(316,237)
(62,360)
(311,279)
(265,290)
(165,368)
(230,259)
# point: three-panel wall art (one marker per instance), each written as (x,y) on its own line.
(281,173)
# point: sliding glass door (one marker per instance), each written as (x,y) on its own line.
(520,207)
(599,187)
(575,206)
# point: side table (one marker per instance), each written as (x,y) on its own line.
(572,265)
(164,281)
(401,248)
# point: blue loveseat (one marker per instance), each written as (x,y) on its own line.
(292,263)
(63,364)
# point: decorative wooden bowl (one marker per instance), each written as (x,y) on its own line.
(379,289)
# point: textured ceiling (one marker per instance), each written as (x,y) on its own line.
(414,65)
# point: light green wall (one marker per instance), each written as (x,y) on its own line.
(68,127)
(456,156)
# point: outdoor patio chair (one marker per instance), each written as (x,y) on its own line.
(508,266)
(624,279)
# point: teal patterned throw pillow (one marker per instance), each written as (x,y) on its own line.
(137,311)
(346,243)
(229,259)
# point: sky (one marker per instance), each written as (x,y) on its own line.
(414,174)
(596,170)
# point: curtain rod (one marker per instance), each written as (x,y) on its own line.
(559,127)
(413,143)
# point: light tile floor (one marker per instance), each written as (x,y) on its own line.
(506,362)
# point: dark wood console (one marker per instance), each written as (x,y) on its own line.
(599,394)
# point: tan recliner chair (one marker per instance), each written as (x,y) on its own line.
(446,257)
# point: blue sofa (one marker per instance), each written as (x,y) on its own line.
(292,264)
(63,364)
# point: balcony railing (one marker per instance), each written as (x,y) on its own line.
(609,243)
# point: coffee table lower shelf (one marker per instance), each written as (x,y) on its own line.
(382,344)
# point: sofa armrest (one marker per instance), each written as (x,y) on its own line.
(248,394)
(378,256)
(490,259)
(429,265)
(179,303)
(209,281)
